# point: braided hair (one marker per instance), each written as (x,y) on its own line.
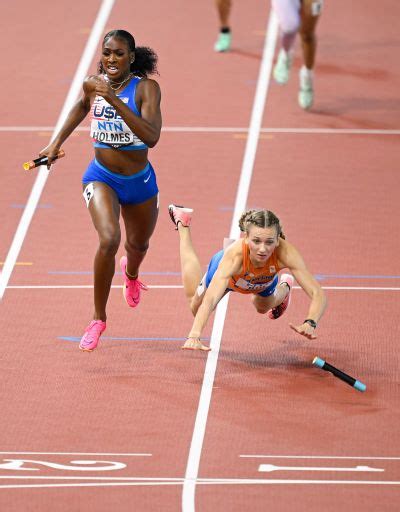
(145,62)
(262,219)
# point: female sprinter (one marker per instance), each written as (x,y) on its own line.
(125,121)
(249,265)
(297,16)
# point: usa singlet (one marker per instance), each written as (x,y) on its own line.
(108,129)
(253,279)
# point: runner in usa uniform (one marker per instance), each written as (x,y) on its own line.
(125,121)
(249,265)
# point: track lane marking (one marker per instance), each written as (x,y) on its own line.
(268,468)
(193,462)
(203,481)
(179,286)
(43,173)
(330,457)
(227,129)
(79,453)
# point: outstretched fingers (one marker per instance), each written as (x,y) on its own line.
(305,330)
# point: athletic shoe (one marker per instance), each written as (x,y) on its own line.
(92,335)
(282,67)
(223,43)
(278,310)
(132,287)
(180,214)
(306,92)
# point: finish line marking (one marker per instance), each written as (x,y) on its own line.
(200,481)
(226,129)
(80,453)
(179,286)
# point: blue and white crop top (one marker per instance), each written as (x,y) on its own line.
(108,129)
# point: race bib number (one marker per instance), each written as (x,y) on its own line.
(88,194)
(316,7)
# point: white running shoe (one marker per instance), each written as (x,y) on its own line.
(306,90)
(282,67)
(223,43)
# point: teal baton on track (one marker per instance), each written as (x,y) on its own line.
(320,363)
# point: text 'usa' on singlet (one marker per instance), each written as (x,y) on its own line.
(108,129)
(253,279)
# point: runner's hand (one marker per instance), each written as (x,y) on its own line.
(305,330)
(51,151)
(103,88)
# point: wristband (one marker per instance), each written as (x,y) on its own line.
(310,321)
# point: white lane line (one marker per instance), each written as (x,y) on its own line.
(179,286)
(43,173)
(330,457)
(226,129)
(204,481)
(268,468)
(79,453)
(94,478)
(99,484)
(82,286)
(192,468)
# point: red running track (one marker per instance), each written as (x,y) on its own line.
(132,404)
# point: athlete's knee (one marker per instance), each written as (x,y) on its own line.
(307,36)
(290,29)
(109,239)
(261,309)
(133,245)
(261,306)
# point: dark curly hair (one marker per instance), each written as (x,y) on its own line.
(145,62)
(261,219)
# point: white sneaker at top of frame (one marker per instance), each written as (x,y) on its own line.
(282,67)
(306,88)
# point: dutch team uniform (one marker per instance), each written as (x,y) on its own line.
(259,281)
(109,131)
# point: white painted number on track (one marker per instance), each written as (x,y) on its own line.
(82,465)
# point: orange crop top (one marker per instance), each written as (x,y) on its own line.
(252,279)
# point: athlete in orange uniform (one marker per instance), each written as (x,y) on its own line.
(249,265)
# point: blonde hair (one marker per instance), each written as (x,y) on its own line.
(260,218)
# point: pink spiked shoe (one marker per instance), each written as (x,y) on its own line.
(92,335)
(132,287)
(278,310)
(180,214)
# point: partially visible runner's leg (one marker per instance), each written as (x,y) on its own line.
(104,210)
(223,43)
(286,281)
(288,13)
(140,221)
(190,266)
(310,12)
